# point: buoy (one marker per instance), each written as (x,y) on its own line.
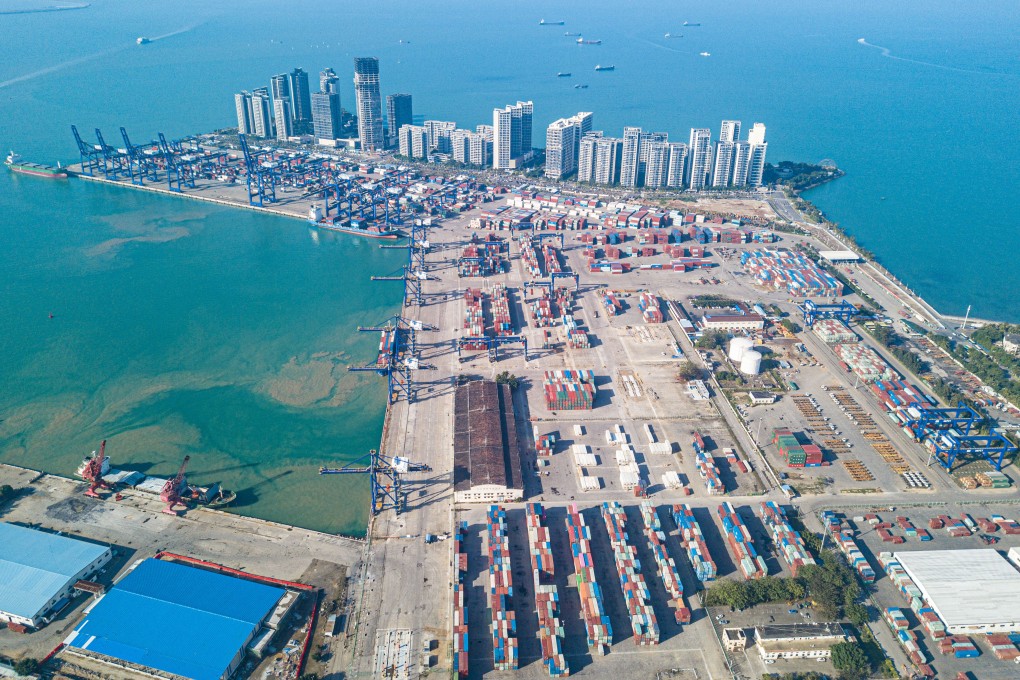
(51,315)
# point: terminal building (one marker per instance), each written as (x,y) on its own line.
(486,453)
(798,640)
(38,571)
(166,619)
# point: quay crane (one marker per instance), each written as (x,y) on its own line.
(171,492)
(384,475)
(93,472)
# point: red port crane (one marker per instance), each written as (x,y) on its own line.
(93,472)
(171,492)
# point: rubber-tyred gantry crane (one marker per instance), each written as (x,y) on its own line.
(171,492)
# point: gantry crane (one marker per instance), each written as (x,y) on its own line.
(93,472)
(384,476)
(171,492)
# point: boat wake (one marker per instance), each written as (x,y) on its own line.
(178,32)
(61,66)
(887,53)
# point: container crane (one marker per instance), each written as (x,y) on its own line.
(384,474)
(171,492)
(93,472)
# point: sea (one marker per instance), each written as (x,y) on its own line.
(172,328)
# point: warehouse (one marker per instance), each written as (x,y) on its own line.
(798,640)
(38,571)
(839,255)
(972,591)
(486,455)
(168,618)
(732,322)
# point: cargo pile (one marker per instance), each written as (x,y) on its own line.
(530,258)
(896,619)
(460,621)
(795,454)
(475,261)
(1008,526)
(551,258)
(908,641)
(960,646)
(993,480)
(751,564)
(902,398)
(611,303)
(930,621)
(544,443)
(733,460)
(710,473)
(500,310)
(474,316)
(570,390)
(697,442)
(577,338)
(596,622)
(501,590)
(1002,647)
(693,542)
(833,332)
(864,362)
(635,591)
(650,309)
(787,541)
(547,598)
(844,539)
(789,271)
(667,566)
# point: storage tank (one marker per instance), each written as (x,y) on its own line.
(750,363)
(738,346)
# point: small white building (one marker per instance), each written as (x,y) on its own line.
(798,640)
(697,390)
(1011,343)
(761,397)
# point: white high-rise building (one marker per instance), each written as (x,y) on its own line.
(757,134)
(439,134)
(657,153)
(283,118)
(460,145)
(560,141)
(413,141)
(586,157)
(722,172)
(741,162)
(511,137)
(262,113)
(369,103)
(729,131)
(677,162)
(242,103)
(756,164)
(699,158)
(631,156)
(607,160)
(481,146)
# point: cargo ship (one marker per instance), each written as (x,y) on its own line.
(212,496)
(316,218)
(582,41)
(15,163)
(600,67)
(568,34)
(543,22)
(687,23)
(562,74)
(580,87)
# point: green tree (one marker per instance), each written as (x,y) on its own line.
(791,325)
(856,613)
(688,371)
(6,491)
(850,660)
(26,666)
(508,378)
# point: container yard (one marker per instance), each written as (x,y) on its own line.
(795,454)
(833,332)
(667,567)
(787,542)
(847,544)
(750,564)
(459,617)
(635,591)
(790,272)
(694,544)
(547,598)
(501,592)
(598,628)
(863,361)
(570,390)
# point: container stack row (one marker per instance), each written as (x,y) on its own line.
(501,591)
(734,460)
(544,443)
(833,332)
(547,598)
(480,261)
(460,617)
(710,473)
(667,566)
(635,591)
(611,302)
(500,310)
(929,619)
(694,543)
(551,258)
(793,452)
(1002,647)
(530,258)
(844,539)
(960,646)
(787,541)
(570,390)
(474,315)
(864,362)
(650,307)
(789,271)
(596,622)
(751,564)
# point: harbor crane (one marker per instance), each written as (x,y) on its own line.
(171,492)
(384,476)
(812,311)
(90,156)
(93,472)
(398,355)
(949,434)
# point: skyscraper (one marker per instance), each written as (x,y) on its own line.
(279,87)
(369,103)
(699,158)
(722,172)
(242,103)
(283,117)
(756,164)
(677,163)
(262,113)
(511,134)
(741,162)
(326,120)
(329,81)
(757,134)
(563,142)
(630,158)
(300,97)
(729,131)
(398,114)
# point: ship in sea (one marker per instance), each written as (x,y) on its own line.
(142,41)
(15,163)
(687,23)
(579,86)
(561,74)
(568,34)
(582,41)
(704,54)
(352,226)
(543,22)
(670,35)
(600,67)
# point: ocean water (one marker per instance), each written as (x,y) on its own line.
(184,328)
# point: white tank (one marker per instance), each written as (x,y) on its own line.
(750,363)
(738,346)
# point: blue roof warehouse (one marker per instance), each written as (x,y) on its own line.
(176,619)
(38,571)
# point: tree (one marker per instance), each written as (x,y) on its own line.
(508,378)
(711,340)
(6,491)
(688,371)
(850,660)
(856,613)
(26,666)
(791,326)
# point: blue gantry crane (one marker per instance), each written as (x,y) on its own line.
(115,161)
(141,162)
(384,475)
(91,157)
(812,311)
(492,344)
(947,432)
(398,355)
(260,175)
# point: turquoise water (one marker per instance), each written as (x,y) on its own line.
(213,332)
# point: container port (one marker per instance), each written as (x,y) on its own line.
(790,272)
(501,592)
(547,598)
(570,390)
(635,591)
(459,617)
(693,542)
(599,630)
(863,361)
(847,544)
(750,564)
(787,542)
(667,566)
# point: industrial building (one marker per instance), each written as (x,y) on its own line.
(973,591)
(38,571)
(798,640)
(168,618)
(486,455)
(732,322)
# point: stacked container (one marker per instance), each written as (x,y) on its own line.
(1002,647)
(864,361)
(577,338)
(896,619)
(667,566)
(501,590)
(694,543)
(649,306)
(635,591)
(844,539)
(751,564)
(544,443)
(530,258)
(596,622)
(460,621)
(710,473)
(833,332)
(474,317)
(570,390)
(789,271)
(787,541)
(551,258)
(500,310)
(960,646)
(611,303)
(547,599)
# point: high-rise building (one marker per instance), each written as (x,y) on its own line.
(242,103)
(729,131)
(722,170)
(741,162)
(283,118)
(262,113)
(586,157)
(413,141)
(460,145)
(368,102)
(757,134)
(439,132)
(677,162)
(511,134)
(561,148)
(398,114)
(657,153)
(608,151)
(756,164)
(481,147)
(630,158)
(326,118)
(279,86)
(329,81)
(699,152)
(300,97)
